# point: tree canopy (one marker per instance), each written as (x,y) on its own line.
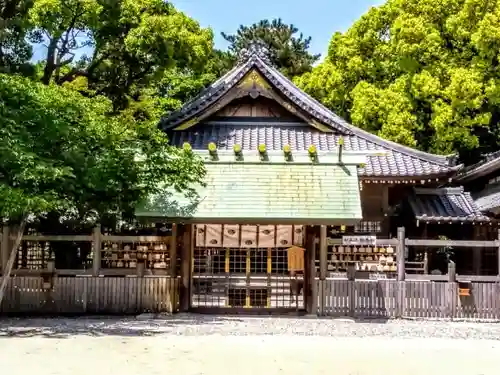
(133,43)
(62,152)
(423,73)
(288,51)
(15,49)
(79,137)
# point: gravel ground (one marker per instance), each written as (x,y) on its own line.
(189,344)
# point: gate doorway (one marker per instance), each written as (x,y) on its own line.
(248,267)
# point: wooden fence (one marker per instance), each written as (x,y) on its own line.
(91,295)
(408,299)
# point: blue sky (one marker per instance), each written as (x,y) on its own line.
(316,18)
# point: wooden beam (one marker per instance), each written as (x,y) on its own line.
(77,238)
(135,238)
(455,243)
(380,241)
(470,278)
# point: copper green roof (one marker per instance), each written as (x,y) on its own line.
(274,190)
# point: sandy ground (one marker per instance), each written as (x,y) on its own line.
(188,346)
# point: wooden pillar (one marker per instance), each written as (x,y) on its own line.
(323,268)
(173,251)
(186,260)
(426,253)
(4,249)
(97,242)
(452,272)
(323,253)
(400,254)
(498,253)
(477,253)
(310,274)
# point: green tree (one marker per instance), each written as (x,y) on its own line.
(15,50)
(420,72)
(62,152)
(288,52)
(133,43)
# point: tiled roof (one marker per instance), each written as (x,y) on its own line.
(405,161)
(490,163)
(394,163)
(488,199)
(270,191)
(445,204)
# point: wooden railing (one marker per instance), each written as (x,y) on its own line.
(114,250)
(387,299)
(91,295)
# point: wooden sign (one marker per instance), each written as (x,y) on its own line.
(295,258)
(359,240)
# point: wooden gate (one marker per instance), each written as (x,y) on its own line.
(248,267)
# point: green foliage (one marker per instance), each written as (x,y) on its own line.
(134,43)
(64,153)
(424,73)
(15,50)
(289,53)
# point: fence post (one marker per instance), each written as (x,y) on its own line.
(97,242)
(400,261)
(323,267)
(452,293)
(351,289)
(400,254)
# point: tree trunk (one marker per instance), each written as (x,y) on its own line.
(50,64)
(10,263)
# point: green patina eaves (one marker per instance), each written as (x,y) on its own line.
(301,192)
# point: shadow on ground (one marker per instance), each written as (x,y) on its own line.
(103,326)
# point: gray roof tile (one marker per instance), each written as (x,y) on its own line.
(445,204)
(394,163)
(490,163)
(404,161)
(488,199)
